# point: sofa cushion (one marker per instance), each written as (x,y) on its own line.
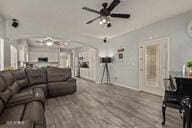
(34,111)
(20,77)
(10,81)
(1,106)
(24,97)
(42,86)
(5,94)
(36,76)
(12,114)
(7,77)
(58,74)
(61,88)
(3,85)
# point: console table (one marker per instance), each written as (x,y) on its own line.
(184,84)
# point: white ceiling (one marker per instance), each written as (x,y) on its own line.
(67,16)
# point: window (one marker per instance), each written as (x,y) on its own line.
(1,53)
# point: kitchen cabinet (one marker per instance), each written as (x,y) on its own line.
(23,53)
(52,57)
(90,57)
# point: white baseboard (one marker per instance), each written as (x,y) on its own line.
(125,86)
(97,82)
(122,85)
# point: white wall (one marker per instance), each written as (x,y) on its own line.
(180,48)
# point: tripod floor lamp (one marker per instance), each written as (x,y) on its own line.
(106,60)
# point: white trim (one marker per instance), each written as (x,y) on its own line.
(125,86)
(122,85)
(97,82)
(2,52)
(168,56)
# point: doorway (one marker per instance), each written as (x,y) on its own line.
(153,65)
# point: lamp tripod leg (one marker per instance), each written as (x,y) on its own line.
(103,75)
(108,75)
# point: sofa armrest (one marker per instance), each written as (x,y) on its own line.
(35,94)
(71,80)
(18,124)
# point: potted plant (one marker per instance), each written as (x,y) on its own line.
(189,64)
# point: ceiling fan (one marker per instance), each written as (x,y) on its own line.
(106,12)
(49,42)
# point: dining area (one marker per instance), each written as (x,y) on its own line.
(178,95)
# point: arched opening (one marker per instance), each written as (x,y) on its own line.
(38,52)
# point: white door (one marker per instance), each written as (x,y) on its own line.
(153,65)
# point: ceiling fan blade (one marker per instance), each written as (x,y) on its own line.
(113,5)
(56,42)
(120,15)
(93,20)
(91,10)
(39,41)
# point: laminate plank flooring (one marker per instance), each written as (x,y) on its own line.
(108,106)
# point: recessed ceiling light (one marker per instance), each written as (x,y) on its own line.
(66,43)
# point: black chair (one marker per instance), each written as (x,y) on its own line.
(187,112)
(171,98)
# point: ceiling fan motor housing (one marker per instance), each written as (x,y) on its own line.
(104,12)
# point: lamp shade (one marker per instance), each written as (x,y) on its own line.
(106,60)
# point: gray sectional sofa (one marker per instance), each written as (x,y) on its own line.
(23,94)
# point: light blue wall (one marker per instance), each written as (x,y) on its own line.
(180,48)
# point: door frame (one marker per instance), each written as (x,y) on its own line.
(2,52)
(148,42)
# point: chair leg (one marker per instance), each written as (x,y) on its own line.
(188,113)
(163,113)
(184,119)
(186,103)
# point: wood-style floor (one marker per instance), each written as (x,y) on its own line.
(108,106)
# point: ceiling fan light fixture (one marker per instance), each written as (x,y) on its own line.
(104,20)
(49,43)
(100,22)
